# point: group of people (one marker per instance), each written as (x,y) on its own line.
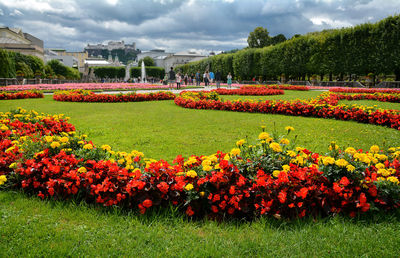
(207,77)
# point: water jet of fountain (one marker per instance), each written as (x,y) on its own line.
(143,75)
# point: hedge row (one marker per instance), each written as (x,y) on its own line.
(363,49)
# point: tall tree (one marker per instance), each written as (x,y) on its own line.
(259,38)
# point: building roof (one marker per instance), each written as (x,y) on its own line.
(10,41)
(97,62)
(187,53)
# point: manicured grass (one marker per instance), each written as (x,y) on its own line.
(370,103)
(163,130)
(289,95)
(31,227)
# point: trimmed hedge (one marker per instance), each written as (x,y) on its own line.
(152,71)
(109,72)
(363,49)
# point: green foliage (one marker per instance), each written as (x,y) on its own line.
(151,71)
(148,61)
(363,49)
(7,65)
(62,71)
(259,38)
(109,72)
(25,70)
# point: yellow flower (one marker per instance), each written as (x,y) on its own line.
(275,147)
(380,166)
(286,168)
(276,173)
(64,139)
(240,142)
(384,172)
(263,136)
(206,162)
(3,179)
(393,179)
(88,146)
(82,170)
(81,142)
(188,187)
(121,161)
(328,161)
(4,128)
(207,168)
(350,150)
(235,151)
(284,141)
(350,168)
(291,153)
(341,162)
(202,194)
(191,173)
(333,146)
(48,138)
(55,145)
(289,128)
(106,147)
(374,149)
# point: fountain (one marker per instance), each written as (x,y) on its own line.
(143,76)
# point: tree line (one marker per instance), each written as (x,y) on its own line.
(361,50)
(14,64)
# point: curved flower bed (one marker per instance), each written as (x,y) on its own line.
(395,97)
(362,90)
(21,95)
(89,96)
(44,156)
(278,87)
(254,91)
(325,106)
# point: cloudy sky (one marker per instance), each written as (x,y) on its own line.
(177,25)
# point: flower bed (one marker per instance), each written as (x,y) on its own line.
(254,91)
(324,106)
(44,156)
(87,86)
(89,96)
(384,97)
(21,95)
(363,90)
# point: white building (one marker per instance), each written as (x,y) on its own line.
(70,61)
(181,58)
(13,39)
(156,54)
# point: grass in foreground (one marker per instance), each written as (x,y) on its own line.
(31,227)
(163,130)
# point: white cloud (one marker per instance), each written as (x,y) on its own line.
(1,12)
(319,20)
(112,2)
(16,13)
(48,30)
(42,6)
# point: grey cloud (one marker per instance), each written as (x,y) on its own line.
(180,25)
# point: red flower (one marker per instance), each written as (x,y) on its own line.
(163,187)
(189,211)
(147,203)
(302,193)
(282,196)
(344,181)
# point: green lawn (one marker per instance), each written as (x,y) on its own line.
(31,227)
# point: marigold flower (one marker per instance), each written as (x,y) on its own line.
(374,149)
(207,168)
(341,163)
(328,161)
(284,141)
(350,150)
(64,139)
(286,168)
(276,173)
(289,128)
(235,151)
(48,138)
(55,145)
(240,142)
(393,179)
(350,168)
(3,179)
(191,173)
(188,187)
(88,146)
(4,128)
(106,147)
(275,147)
(263,136)
(82,170)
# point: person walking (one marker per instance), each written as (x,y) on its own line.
(186,79)
(178,81)
(211,77)
(171,78)
(198,79)
(218,79)
(229,80)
